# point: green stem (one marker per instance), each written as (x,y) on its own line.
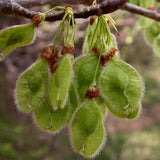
(59,27)
(103,21)
(53,9)
(60,35)
(101,39)
(67,31)
(111,20)
(73,29)
(93,36)
(94,83)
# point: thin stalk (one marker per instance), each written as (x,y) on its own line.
(59,27)
(99,58)
(110,19)
(113,23)
(93,36)
(67,31)
(95,74)
(53,9)
(105,31)
(59,38)
(73,29)
(103,21)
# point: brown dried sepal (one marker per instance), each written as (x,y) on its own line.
(50,57)
(67,50)
(108,22)
(107,57)
(53,63)
(92,19)
(47,52)
(95,50)
(36,20)
(92,92)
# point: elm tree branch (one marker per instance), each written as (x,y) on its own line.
(13,8)
(141,11)
(32,3)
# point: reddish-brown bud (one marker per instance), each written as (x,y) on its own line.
(108,22)
(53,63)
(67,50)
(92,20)
(53,67)
(92,92)
(47,52)
(108,56)
(50,57)
(36,20)
(95,50)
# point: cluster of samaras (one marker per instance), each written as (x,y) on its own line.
(76,93)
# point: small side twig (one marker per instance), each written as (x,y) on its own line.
(141,11)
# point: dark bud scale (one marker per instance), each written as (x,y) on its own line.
(106,57)
(92,92)
(50,57)
(92,20)
(67,50)
(37,20)
(95,50)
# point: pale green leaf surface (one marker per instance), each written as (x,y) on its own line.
(31,86)
(102,106)
(121,87)
(73,101)
(48,119)
(15,36)
(84,72)
(114,44)
(88,35)
(134,114)
(60,83)
(87,129)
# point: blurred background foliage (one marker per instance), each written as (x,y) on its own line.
(139,139)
